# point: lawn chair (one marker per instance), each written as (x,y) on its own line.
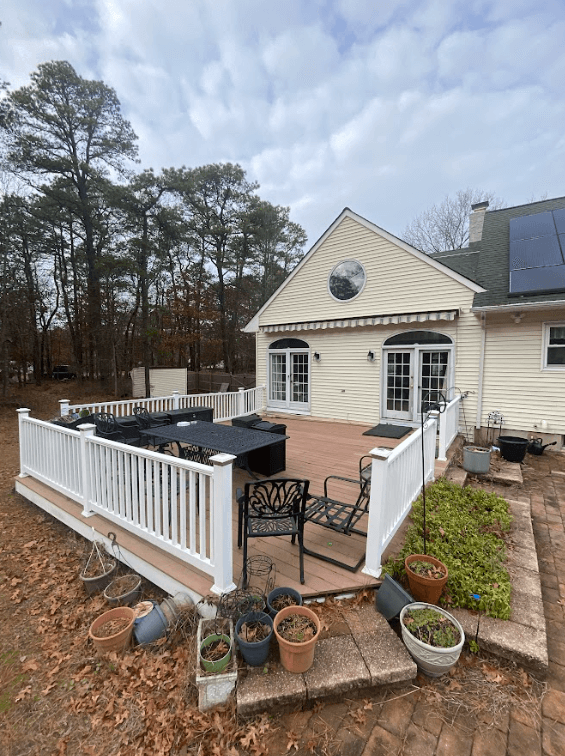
(272,508)
(340,516)
(107,427)
(146,422)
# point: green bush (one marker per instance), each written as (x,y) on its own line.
(464,529)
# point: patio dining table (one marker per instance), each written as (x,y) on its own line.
(199,440)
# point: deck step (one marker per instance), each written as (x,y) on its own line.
(357,656)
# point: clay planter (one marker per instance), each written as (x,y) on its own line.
(425,588)
(296,657)
(120,640)
(98,582)
(433,661)
(123,591)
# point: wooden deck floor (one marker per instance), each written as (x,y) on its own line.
(314,450)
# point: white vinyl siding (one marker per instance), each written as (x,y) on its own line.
(515,382)
(397,281)
(346,386)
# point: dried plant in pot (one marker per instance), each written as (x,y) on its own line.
(278,598)
(253,633)
(112,630)
(124,590)
(215,645)
(98,570)
(297,630)
(433,637)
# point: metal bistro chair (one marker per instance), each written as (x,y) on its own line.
(272,508)
(146,422)
(340,516)
(108,427)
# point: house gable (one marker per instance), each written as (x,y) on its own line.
(399,279)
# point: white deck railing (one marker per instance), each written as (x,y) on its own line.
(396,481)
(448,426)
(225,405)
(183,508)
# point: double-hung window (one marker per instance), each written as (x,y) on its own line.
(554,346)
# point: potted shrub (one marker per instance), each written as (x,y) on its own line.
(433,637)
(253,633)
(297,629)
(427,577)
(278,598)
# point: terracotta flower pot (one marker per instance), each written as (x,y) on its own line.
(296,657)
(120,640)
(425,588)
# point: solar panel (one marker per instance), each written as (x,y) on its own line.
(537,280)
(535,253)
(532,226)
(559,218)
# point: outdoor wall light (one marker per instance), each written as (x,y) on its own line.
(317,356)
(371,356)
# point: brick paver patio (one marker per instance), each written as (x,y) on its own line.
(409,724)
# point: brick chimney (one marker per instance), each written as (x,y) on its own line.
(476,220)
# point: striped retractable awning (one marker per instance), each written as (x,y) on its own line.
(373,320)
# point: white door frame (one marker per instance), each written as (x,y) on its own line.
(287,404)
(412,417)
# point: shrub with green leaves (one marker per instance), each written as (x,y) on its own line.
(464,528)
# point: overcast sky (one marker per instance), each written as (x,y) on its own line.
(383,106)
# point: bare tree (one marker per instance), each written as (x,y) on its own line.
(445,225)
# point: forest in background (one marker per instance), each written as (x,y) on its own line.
(105,266)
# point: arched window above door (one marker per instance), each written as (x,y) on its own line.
(289,344)
(412,338)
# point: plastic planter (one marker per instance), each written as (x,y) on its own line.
(98,582)
(282,592)
(150,627)
(513,448)
(254,654)
(129,596)
(432,660)
(391,597)
(214,689)
(220,664)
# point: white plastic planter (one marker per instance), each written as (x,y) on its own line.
(433,661)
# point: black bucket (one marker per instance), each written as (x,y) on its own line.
(513,448)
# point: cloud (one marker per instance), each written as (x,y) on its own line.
(381,107)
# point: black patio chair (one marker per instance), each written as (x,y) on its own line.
(340,516)
(146,422)
(272,508)
(108,427)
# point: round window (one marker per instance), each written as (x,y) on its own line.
(347,280)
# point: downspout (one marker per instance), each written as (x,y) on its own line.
(481,370)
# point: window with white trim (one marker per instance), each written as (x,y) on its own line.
(554,346)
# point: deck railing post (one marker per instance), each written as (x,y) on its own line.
(377,504)
(87,430)
(241,401)
(64,407)
(221,523)
(23,414)
(176,399)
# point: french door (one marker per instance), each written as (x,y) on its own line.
(289,379)
(411,375)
